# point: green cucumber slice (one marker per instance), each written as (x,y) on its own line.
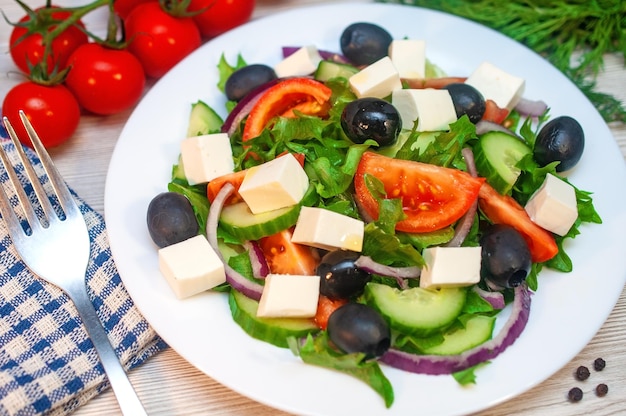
(497,154)
(239,221)
(272,330)
(327,70)
(203,120)
(477,330)
(416,311)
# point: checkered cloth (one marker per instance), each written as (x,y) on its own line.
(47,362)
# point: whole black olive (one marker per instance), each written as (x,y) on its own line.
(364,43)
(171,219)
(505,256)
(371,118)
(467,100)
(339,276)
(247,78)
(358,328)
(560,140)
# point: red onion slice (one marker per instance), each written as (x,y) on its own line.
(260,268)
(464,225)
(367,264)
(238,282)
(496,299)
(484,126)
(448,364)
(531,108)
(243,107)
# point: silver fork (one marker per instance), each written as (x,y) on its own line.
(57,250)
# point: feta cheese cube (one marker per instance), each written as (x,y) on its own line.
(328,230)
(279,183)
(289,296)
(304,61)
(206,157)
(376,80)
(409,57)
(450,266)
(553,206)
(191,266)
(433,109)
(495,84)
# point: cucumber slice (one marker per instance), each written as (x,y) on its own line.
(478,329)
(203,120)
(496,154)
(416,311)
(239,221)
(272,330)
(328,69)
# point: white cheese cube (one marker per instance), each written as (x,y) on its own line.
(376,80)
(433,109)
(304,61)
(495,84)
(409,57)
(191,266)
(206,157)
(279,183)
(450,266)
(553,206)
(289,296)
(328,230)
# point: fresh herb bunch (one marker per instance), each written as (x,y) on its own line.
(573,35)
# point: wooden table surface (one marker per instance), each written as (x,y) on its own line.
(168,385)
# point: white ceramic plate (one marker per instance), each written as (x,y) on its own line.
(201,330)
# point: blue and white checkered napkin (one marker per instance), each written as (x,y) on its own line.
(47,362)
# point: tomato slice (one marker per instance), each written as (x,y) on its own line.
(325,307)
(503,209)
(433,197)
(235,179)
(281,98)
(494,113)
(285,257)
(436,83)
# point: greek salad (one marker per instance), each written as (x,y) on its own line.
(360,206)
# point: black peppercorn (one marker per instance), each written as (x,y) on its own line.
(602,389)
(575,394)
(599,364)
(582,373)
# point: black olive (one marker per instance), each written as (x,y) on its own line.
(364,43)
(371,118)
(358,328)
(339,276)
(171,219)
(505,256)
(561,140)
(245,79)
(467,100)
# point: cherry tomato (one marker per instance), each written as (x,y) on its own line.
(105,81)
(285,257)
(122,8)
(325,307)
(503,209)
(27,48)
(433,197)
(52,110)
(220,15)
(494,113)
(158,39)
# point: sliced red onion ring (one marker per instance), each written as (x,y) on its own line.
(235,279)
(531,108)
(260,269)
(484,126)
(243,107)
(496,299)
(448,364)
(464,225)
(367,264)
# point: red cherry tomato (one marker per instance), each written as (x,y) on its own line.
(325,308)
(28,48)
(122,8)
(221,15)
(52,110)
(433,197)
(158,39)
(105,81)
(285,257)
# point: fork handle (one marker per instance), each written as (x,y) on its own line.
(120,384)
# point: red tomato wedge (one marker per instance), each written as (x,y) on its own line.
(303,94)
(503,209)
(433,197)
(325,307)
(436,83)
(235,179)
(285,257)
(494,113)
